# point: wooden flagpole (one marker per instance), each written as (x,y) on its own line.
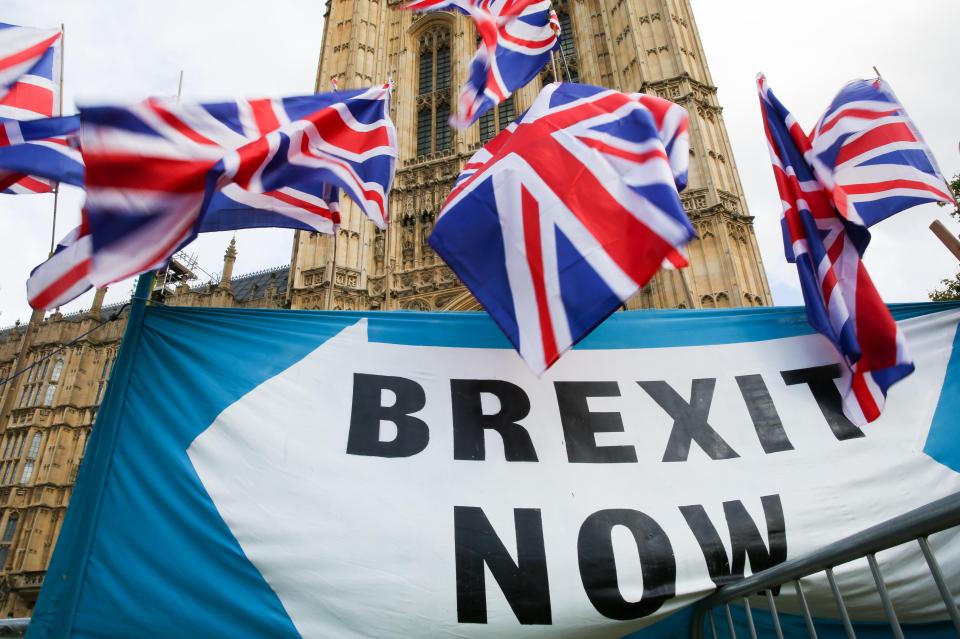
(949,239)
(388,260)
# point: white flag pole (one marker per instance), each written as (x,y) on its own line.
(56,186)
(336,230)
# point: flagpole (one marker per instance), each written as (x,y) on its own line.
(388,260)
(56,187)
(946,237)
(336,228)
(333,269)
(563,59)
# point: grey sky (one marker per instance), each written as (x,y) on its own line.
(124,50)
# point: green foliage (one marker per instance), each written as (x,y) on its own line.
(949,292)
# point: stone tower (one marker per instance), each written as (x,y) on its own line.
(646,45)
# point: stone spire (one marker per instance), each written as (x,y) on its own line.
(228,259)
(97,302)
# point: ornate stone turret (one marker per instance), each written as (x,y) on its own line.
(228,260)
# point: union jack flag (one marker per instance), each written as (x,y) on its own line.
(65,275)
(566,214)
(160,172)
(35,149)
(517,39)
(30,67)
(870,156)
(841,300)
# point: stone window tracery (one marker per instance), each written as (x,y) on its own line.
(32,453)
(11,527)
(497,119)
(435,69)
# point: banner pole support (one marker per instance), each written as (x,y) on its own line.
(946,237)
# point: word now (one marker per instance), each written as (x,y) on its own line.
(525,583)
(580,425)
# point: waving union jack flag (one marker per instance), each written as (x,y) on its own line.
(39,149)
(870,156)
(841,300)
(29,90)
(160,172)
(65,276)
(566,214)
(29,71)
(517,38)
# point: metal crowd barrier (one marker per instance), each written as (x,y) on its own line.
(915,525)
(14,627)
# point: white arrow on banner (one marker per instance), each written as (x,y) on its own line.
(361,545)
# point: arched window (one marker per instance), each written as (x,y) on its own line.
(104,375)
(34,447)
(31,460)
(497,119)
(11,527)
(57,370)
(434,91)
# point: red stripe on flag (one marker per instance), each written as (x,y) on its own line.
(368,194)
(263,116)
(302,204)
(534,251)
(865,399)
(874,138)
(35,185)
(179,125)
(252,156)
(61,285)
(530,44)
(639,158)
(9,179)
(126,171)
(336,131)
(29,97)
(879,187)
(861,114)
(32,52)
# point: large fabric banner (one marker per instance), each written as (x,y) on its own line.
(282,473)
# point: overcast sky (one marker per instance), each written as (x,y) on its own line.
(124,50)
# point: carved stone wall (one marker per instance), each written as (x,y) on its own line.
(632,45)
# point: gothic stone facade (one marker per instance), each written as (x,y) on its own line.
(632,45)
